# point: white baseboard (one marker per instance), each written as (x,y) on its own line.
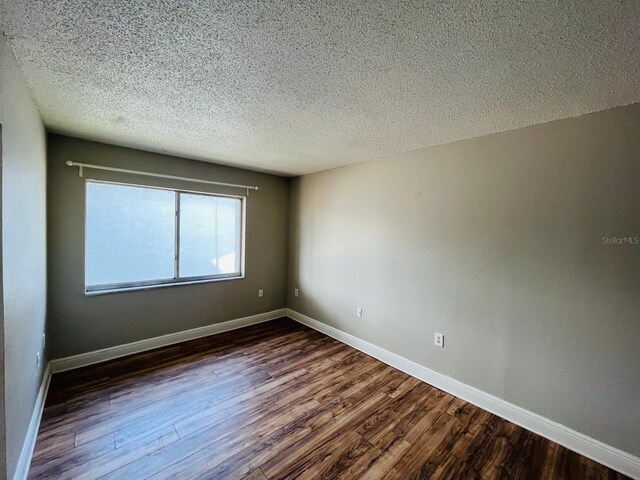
(34,425)
(605,454)
(97,356)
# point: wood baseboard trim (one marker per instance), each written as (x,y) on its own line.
(589,447)
(97,356)
(29,444)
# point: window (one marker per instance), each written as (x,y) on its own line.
(140,236)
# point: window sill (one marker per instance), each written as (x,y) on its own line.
(139,288)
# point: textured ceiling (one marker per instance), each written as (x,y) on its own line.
(299,86)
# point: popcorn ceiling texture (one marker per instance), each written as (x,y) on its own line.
(294,87)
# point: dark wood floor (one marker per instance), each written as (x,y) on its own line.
(273,401)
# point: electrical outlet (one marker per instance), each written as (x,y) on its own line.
(261,293)
(359,312)
(438,340)
(295,292)
(38,359)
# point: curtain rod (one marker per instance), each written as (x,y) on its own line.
(158,175)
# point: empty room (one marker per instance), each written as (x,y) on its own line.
(264,240)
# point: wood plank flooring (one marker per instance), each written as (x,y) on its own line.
(274,401)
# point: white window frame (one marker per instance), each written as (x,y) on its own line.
(91,290)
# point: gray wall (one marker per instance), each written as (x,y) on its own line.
(497,243)
(23,252)
(3,440)
(78,323)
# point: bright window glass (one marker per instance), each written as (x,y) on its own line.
(131,236)
(209,235)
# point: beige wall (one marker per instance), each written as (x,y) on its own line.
(497,243)
(78,323)
(23,252)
